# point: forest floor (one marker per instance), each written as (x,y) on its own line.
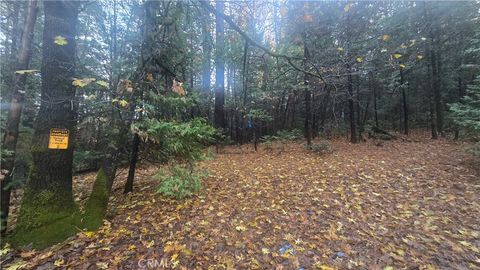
(405,204)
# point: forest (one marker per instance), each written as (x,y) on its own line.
(240,134)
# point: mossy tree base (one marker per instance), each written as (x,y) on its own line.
(96,206)
(46,219)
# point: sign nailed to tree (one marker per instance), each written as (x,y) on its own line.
(58,138)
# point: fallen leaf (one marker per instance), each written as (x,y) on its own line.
(59,262)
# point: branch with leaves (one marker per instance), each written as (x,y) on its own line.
(235,27)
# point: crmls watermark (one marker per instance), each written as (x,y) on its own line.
(163,263)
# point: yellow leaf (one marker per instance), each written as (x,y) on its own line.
(386,37)
(59,40)
(59,262)
(16,266)
(397,55)
(123,103)
(132,247)
(265,251)
(4,251)
(318,265)
(26,71)
(174,260)
(82,82)
(340,49)
(89,234)
(347,7)
(102,265)
(388,268)
(102,83)
(359,59)
(419,57)
(240,228)
(150,244)
(402,66)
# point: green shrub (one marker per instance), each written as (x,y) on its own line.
(323,147)
(290,135)
(474,150)
(175,140)
(466,113)
(179,182)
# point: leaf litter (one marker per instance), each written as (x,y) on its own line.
(403,205)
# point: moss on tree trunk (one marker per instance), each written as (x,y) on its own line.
(45,219)
(96,206)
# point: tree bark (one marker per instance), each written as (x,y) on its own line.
(324,109)
(308,96)
(48,193)
(351,108)
(219,114)
(404,103)
(374,89)
(133,164)
(207,54)
(436,93)
(460,96)
(15,111)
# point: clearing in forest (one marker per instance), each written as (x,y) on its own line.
(400,205)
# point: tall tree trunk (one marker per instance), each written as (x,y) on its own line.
(144,69)
(207,53)
(324,109)
(404,103)
(460,95)
(351,108)
(287,108)
(308,96)
(219,114)
(374,89)
(14,33)
(292,115)
(436,92)
(133,164)
(430,103)
(357,99)
(48,199)
(15,112)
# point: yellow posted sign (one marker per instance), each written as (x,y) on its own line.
(58,138)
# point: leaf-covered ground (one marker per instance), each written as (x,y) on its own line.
(403,205)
